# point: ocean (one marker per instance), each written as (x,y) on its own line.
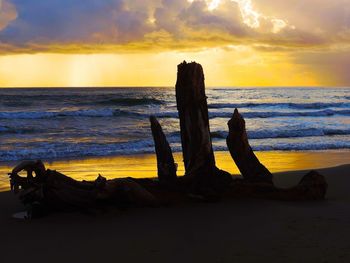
(53,123)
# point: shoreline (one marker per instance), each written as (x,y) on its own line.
(145,165)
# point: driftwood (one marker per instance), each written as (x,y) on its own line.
(44,190)
(312,186)
(241,152)
(165,160)
(49,190)
(198,155)
(194,121)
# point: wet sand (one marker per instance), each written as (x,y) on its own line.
(145,165)
(229,231)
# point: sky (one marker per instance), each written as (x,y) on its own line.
(72,43)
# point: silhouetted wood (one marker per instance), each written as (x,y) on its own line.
(165,160)
(312,186)
(46,190)
(241,152)
(50,190)
(200,169)
(194,121)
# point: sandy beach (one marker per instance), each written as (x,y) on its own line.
(145,165)
(229,231)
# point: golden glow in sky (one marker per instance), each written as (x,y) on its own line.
(140,43)
(50,70)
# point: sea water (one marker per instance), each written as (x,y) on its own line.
(84,122)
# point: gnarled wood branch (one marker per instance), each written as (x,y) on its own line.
(241,152)
(165,160)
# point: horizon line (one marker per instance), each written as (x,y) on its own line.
(162,87)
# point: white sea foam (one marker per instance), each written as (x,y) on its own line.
(64,123)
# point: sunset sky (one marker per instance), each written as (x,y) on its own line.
(139,43)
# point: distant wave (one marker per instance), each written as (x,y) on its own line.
(268,114)
(302,147)
(257,134)
(108,112)
(52,114)
(128,101)
(66,150)
(3,129)
(59,150)
(320,113)
(77,113)
(294,147)
(27,100)
(316,105)
(299,133)
(9,130)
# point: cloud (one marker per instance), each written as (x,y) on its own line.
(325,19)
(193,20)
(73,26)
(8,13)
(93,21)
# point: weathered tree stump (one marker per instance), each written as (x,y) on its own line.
(241,152)
(165,160)
(194,121)
(198,155)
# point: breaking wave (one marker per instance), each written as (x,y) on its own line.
(316,105)
(280,133)
(108,112)
(64,123)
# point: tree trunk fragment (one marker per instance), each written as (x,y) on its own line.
(165,160)
(241,152)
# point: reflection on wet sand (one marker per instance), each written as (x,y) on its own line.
(141,166)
